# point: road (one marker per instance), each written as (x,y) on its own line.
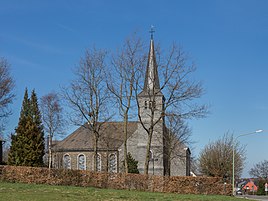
(255,197)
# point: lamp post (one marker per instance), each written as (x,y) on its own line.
(1,150)
(233,181)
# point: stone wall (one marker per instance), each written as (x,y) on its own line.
(182,185)
(89,159)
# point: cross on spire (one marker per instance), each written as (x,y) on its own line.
(152,32)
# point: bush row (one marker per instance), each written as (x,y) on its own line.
(178,184)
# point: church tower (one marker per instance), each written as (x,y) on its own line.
(76,150)
(151,98)
(151,109)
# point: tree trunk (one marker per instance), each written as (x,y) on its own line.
(168,166)
(49,151)
(148,147)
(107,161)
(125,142)
(96,153)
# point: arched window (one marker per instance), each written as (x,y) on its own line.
(98,162)
(81,162)
(112,163)
(66,161)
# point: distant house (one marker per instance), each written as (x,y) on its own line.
(250,186)
(76,150)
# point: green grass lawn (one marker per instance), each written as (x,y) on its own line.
(32,192)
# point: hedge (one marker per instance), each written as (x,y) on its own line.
(153,183)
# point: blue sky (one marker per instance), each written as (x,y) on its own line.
(227,40)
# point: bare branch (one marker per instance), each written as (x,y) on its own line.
(7,85)
(53,119)
(126,63)
(88,95)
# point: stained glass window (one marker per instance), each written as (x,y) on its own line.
(98,162)
(112,163)
(81,162)
(67,161)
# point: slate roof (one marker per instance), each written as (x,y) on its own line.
(151,78)
(111,137)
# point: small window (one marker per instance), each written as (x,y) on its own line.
(152,104)
(151,156)
(145,104)
(81,162)
(67,161)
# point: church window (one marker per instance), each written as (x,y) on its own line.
(67,161)
(152,104)
(98,162)
(81,162)
(145,104)
(112,163)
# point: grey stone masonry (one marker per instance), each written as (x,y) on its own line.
(76,150)
(151,102)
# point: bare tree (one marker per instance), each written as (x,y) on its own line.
(177,86)
(260,170)
(88,95)
(109,143)
(7,85)
(194,165)
(216,158)
(126,63)
(5,152)
(176,137)
(52,119)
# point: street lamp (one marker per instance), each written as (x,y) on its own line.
(257,131)
(1,150)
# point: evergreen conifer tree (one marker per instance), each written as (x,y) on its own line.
(13,152)
(27,145)
(132,164)
(37,145)
(16,153)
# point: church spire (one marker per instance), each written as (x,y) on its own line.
(151,82)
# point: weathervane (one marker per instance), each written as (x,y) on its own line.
(152,32)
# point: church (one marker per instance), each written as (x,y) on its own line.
(76,150)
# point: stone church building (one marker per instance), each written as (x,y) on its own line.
(76,150)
